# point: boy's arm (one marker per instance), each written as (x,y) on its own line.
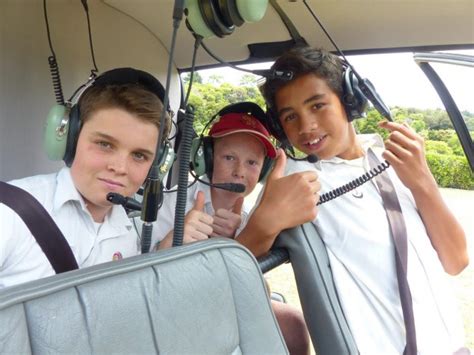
(405,152)
(287,201)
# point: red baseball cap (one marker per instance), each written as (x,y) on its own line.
(231,123)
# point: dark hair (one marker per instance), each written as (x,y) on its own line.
(302,61)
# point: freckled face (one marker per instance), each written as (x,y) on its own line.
(114,152)
(238,158)
(314,119)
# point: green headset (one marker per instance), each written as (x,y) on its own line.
(209,18)
(202,149)
(63,123)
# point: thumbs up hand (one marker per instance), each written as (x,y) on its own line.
(288,201)
(227,222)
(197,223)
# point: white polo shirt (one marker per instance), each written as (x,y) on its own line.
(21,258)
(355,230)
(165,220)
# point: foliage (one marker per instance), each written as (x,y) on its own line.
(197,78)
(208,99)
(450,170)
(248,80)
(444,152)
(441,134)
(438,147)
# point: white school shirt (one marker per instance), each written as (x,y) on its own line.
(165,219)
(356,233)
(21,258)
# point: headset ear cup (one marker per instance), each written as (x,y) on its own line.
(266,168)
(73,135)
(196,20)
(198,163)
(55,132)
(348,95)
(209,18)
(274,126)
(230,13)
(166,156)
(362,101)
(353,99)
(208,148)
(252,10)
(202,156)
(212,18)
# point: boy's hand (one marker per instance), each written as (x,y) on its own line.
(405,151)
(289,201)
(226,222)
(197,223)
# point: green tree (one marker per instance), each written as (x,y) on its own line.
(369,124)
(208,99)
(455,145)
(215,79)
(437,119)
(438,147)
(248,80)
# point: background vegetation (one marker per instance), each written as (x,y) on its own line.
(444,153)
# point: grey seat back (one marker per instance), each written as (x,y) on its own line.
(203,298)
(324,317)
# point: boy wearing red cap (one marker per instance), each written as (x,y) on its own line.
(242,153)
(240,149)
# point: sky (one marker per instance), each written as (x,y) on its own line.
(398,79)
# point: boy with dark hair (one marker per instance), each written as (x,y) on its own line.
(104,157)
(310,113)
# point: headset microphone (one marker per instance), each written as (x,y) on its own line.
(127,202)
(238,188)
(290,152)
(311,158)
(229,186)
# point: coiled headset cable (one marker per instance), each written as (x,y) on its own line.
(53,64)
(351,185)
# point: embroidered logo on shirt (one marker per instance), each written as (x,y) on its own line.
(357,194)
(117,256)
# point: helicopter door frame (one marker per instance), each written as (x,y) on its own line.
(424,60)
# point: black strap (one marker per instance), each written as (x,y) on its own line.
(399,235)
(41,225)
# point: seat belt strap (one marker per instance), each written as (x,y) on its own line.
(398,230)
(41,225)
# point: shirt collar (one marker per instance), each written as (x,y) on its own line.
(66,191)
(367,141)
